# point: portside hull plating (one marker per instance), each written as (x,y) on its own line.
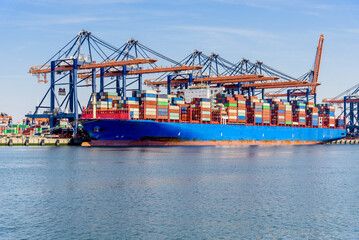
(111,132)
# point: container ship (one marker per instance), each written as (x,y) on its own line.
(200,106)
(148,118)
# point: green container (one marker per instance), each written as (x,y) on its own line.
(162,103)
(266,107)
(288,123)
(230,104)
(110,94)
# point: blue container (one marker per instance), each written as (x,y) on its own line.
(148,95)
(162,96)
(162,110)
(133,99)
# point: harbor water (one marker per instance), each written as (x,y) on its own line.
(238,192)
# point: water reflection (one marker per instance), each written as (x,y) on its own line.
(245,192)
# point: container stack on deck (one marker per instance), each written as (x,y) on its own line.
(201,109)
(149,104)
(105,100)
(230,104)
(133,105)
(266,112)
(174,108)
(312,115)
(225,109)
(278,112)
(241,108)
(205,104)
(326,115)
(254,111)
(299,115)
(162,106)
(288,119)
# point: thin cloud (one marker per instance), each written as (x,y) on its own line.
(249,3)
(78,2)
(47,20)
(312,13)
(236,31)
(321,6)
(352,30)
(278,4)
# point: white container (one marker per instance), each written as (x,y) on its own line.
(174,107)
(149,99)
(206,112)
(149,91)
(232,110)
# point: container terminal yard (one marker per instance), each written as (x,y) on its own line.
(103,95)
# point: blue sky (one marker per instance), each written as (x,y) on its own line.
(283,34)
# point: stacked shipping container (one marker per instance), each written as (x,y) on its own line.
(241,108)
(235,109)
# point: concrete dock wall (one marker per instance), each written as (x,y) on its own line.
(33,141)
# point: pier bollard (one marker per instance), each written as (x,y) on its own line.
(26,143)
(42,142)
(10,143)
(57,143)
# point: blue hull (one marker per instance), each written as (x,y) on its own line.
(147,130)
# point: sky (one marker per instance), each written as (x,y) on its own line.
(281,33)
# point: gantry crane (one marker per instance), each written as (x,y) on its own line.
(245,77)
(350,99)
(70,70)
(74,66)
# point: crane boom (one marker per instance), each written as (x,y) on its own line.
(218,80)
(145,71)
(36,70)
(274,85)
(318,59)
